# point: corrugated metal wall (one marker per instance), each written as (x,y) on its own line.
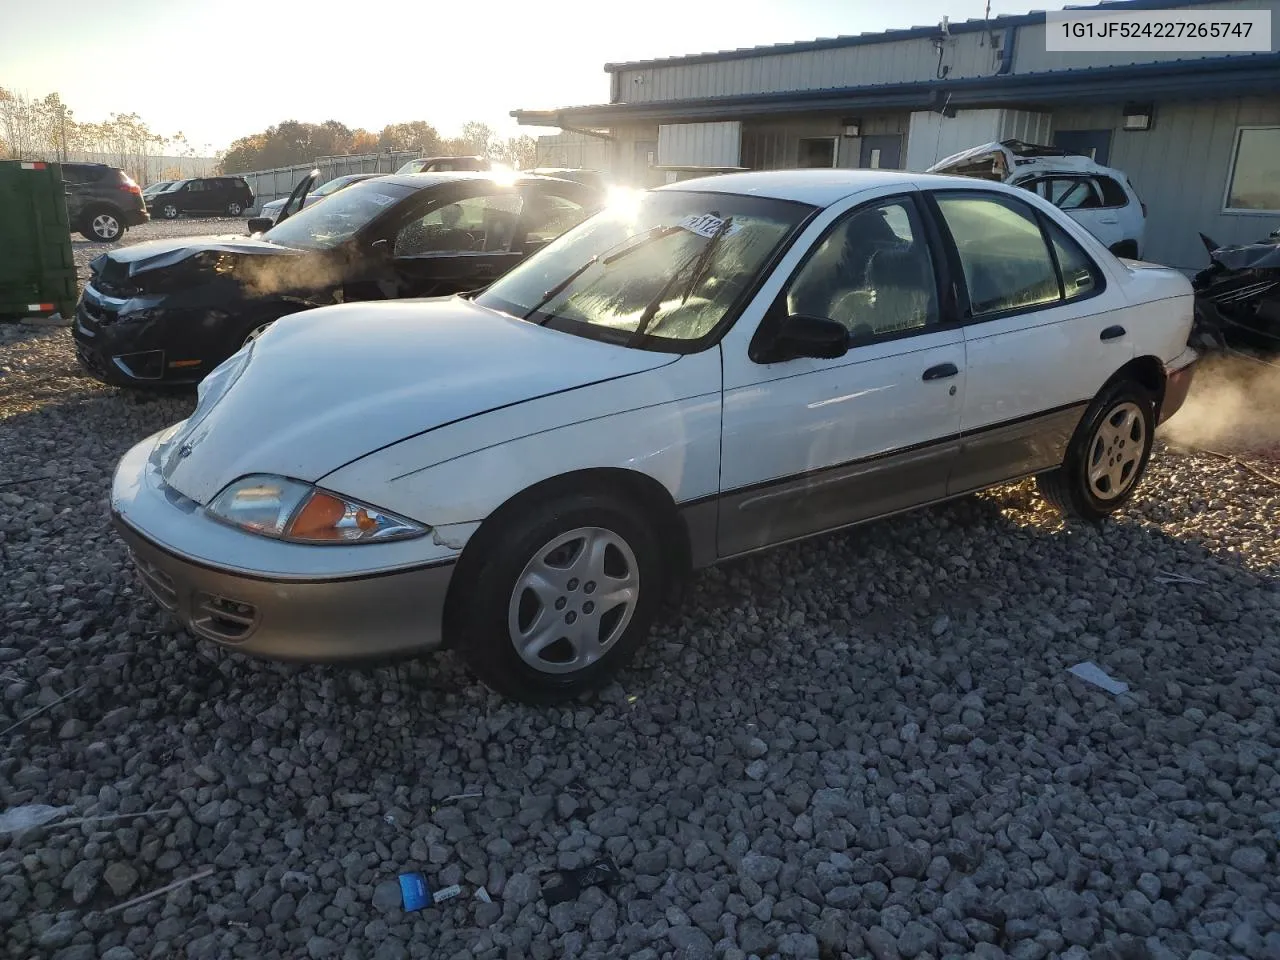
(1026,126)
(268,185)
(700,144)
(899,61)
(1180,168)
(1030,55)
(774,145)
(574,150)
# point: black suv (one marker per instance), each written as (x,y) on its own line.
(102,201)
(220,196)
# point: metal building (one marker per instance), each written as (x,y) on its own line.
(1190,129)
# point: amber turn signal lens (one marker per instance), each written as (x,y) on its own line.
(318,520)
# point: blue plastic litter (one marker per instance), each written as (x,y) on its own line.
(414,891)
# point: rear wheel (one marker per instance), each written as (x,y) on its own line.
(562,599)
(234,209)
(102,226)
(1106,457)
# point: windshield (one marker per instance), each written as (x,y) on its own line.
(665,265)
(323,226)
(176,185)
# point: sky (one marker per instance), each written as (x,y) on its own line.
(218,71)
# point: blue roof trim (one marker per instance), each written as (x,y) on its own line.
(908,33)
(1201,78)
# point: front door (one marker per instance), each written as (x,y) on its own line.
(813,444)
(1043,332)
(881,152)
(1095,144)
(459,245)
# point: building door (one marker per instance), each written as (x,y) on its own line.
(1095,144)
(642,168)
(882,152)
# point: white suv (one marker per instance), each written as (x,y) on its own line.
(1101,199)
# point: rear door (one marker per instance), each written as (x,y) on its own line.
(1044,329)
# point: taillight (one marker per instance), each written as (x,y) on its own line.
(131,188)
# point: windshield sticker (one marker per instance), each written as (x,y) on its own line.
(706,225)
(381,199)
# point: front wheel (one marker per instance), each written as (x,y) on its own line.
(169,211)
(562,599)
(1106,457)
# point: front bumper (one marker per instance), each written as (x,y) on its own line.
(1177,383)
(219,592)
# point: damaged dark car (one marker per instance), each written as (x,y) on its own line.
(167,312)
(1238,294)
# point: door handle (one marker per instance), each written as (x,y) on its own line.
(1112,333)
(1108,220)
(941,371)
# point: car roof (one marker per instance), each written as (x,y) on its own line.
(423,180)
(821,187)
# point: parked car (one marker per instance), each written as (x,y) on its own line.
(592,178)
(1238,293)
(151,189)
(102,201)
(169,311)
(271,210)
(1101,198)
(216,196)
(524,473)
(445,165)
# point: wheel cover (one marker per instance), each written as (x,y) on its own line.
(573,600)
(234,209)
(1116,451)
(106,226)
(170,211)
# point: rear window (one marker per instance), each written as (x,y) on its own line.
(1113,194)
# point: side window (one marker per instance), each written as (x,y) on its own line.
(1113,194)
(547,216)
(196,186)
(1073,193)
(483,224)
(872,273)
(1007,265)
(1080,275)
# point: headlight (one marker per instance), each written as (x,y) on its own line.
(290,510)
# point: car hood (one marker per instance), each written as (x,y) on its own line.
(328,386)
(154,254)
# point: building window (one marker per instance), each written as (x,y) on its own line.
(1254,184)
(817,152)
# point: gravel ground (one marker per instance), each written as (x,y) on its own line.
(864,745)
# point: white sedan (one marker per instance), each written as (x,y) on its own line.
(707,369)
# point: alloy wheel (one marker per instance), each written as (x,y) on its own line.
(573,600)
(170,211)
(1116,451)
(105,226)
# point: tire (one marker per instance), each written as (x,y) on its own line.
(170,211)
(234,209)
(498,600)
(1106,457)
(102,225)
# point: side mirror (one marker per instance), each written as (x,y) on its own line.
(260,224)
(799,335)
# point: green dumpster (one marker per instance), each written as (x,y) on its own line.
(37,271)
